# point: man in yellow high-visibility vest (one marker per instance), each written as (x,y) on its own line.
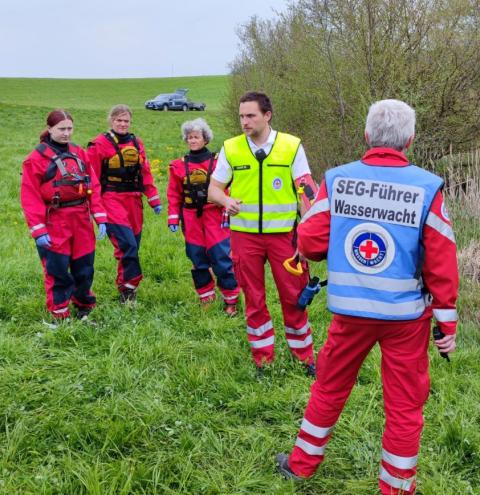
(265,169)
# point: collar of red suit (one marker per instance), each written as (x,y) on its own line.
(385,157)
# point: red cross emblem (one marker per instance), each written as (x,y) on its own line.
(369,249)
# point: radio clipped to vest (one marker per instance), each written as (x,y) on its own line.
(122,171)
(73,187)
(195,191)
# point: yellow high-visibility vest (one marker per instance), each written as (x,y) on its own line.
(269,199)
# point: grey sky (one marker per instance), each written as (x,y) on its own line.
(136,38)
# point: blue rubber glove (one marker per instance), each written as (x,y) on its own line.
(102,231)
(43,241)
(173,228)
(157,209)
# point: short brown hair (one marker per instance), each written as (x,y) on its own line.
(118,110)
(262,99)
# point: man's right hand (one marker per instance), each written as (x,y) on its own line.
(232,206)
(173,227)
(43,241)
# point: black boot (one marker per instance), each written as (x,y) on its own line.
(128,296)
(310,369)
(284,469)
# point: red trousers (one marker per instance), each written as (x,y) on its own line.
(208,248)
(406,386)
(249,254)
(124,228)
(68,263)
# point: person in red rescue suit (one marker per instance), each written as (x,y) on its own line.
(265,168)
(383,227)
(59,194)
(204,224)
(119,160)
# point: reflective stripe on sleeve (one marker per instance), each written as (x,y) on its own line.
(316,431)
(173,216)
(298,331)
(401,484)
(399,462)
(153,198)
(300,344)
(373,282)
(96,215)
(258,344)
(444,315)
(37,227)
(371,306)
(440,226)
(318,207)
(309,448)
(259,331)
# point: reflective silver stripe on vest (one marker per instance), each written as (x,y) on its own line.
(259,331)
(318,207)
(440,226)
(372,306)
(258,344)
(282,208)
(398,461)
(373,282)
(298,331)
(401,484)
(445,315)
(316,431)
(37,227)
(300,344)
(310,448)
(267,224)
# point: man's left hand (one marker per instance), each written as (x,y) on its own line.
(446,344)
(157,209)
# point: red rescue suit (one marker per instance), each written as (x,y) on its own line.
(123,183)
(207,238)
(403,345)
(59,192)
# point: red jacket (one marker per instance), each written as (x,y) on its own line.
(101,149)
(439,271)
(36,192)
(177,181)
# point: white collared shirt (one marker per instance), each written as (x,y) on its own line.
(223,170)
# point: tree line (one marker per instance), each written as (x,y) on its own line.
(323,62)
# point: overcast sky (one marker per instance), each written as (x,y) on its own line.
(136,38)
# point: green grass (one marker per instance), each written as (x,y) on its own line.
(162,399)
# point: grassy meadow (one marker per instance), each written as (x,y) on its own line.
(162,398)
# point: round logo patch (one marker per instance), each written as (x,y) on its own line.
(444,211)
(277,183)
(369,248)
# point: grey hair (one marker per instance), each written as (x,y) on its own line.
(197,125)
(390,124)
(118,110)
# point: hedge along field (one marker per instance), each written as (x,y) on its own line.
(162,398)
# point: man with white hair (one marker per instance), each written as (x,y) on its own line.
(382,224)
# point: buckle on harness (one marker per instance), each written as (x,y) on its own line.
(55,203)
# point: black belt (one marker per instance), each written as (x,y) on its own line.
(64,204)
